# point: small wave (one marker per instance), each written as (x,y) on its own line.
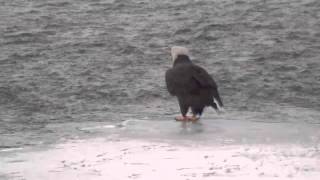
(53,4)
(9,148)
(28,37)
(98,127)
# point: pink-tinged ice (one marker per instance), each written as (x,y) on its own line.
(150,160)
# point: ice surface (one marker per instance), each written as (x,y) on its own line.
(144,160)
(158,149)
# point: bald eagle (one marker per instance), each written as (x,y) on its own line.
(192,85)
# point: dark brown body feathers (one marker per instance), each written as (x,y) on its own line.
(192,85)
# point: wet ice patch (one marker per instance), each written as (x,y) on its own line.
(98,127)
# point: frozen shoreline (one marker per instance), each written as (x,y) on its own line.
(132,159)
(144,150)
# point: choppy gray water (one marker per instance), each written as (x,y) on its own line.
(103,60)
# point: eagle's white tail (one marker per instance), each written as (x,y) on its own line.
(220,108)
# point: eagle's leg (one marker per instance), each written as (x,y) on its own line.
(183,109)
(196,113)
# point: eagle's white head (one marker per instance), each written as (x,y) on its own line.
(178,50)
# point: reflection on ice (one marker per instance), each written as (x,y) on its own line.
(191,127)
(210,131)
(220,131)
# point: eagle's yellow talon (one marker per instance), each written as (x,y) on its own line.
(181,118)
